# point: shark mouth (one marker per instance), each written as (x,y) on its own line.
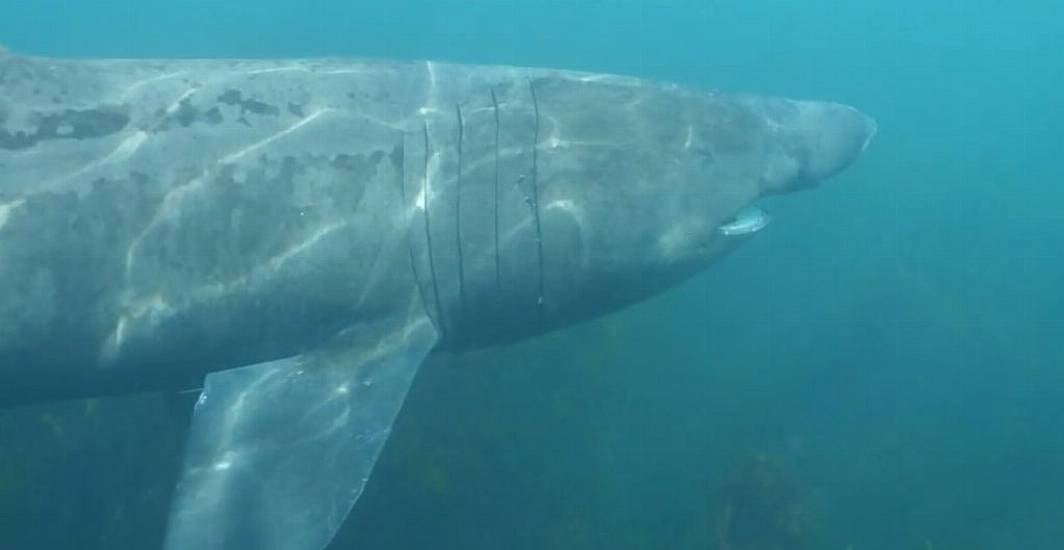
(747,221)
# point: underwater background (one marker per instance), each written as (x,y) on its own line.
(882,368)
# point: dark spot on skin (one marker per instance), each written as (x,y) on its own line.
(706,154)
(254,106)
(67,124)
(345,162)
(260,108)
(359,164)
(350,95)
(186,113)
(296,109)
(231,97)
(140,178)
(213,116)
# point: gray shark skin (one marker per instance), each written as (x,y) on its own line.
(305,232)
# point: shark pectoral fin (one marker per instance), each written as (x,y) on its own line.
(279,452)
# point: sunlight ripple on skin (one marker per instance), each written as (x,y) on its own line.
(174,198)
(260,144)
(135,87)
(156,309)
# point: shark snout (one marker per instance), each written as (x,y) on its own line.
(831,137)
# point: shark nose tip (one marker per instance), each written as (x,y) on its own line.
(871,129)
(834,135)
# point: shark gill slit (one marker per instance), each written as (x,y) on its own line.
(535,198)
(458,211)
(428,236)
(495,193)
(409,239)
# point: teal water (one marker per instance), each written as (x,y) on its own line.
(889,350)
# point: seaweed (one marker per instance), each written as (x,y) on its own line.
(763,505)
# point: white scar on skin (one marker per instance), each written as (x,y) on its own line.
(432,75)
(433,169)
(7,208)
(429,107)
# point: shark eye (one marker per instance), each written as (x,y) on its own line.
(748,220)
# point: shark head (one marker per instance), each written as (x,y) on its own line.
(635,187)
(820,138)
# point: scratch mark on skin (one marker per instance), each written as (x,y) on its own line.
(428,108)
(427,197)
(6,209)
(432,75)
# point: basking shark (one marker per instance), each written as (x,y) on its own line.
(295,237)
